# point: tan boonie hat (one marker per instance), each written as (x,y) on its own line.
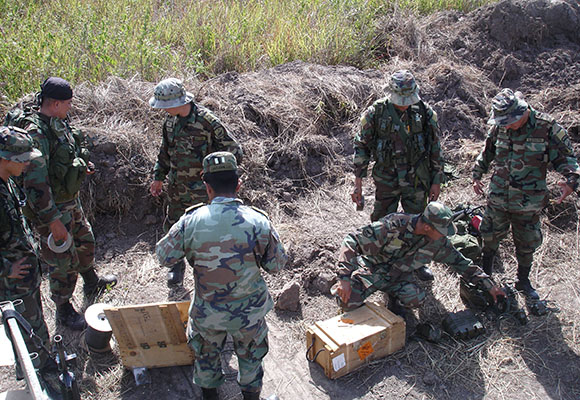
(170,93)
(16,145)
(440,217)
(220,161)
(403,88)
(507,108)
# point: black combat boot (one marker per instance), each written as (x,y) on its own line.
(396,307)
(524,285)
(487,262)
(66,315)
(95,285)
(250,395)
(424,273)
(175,274)
(209,394)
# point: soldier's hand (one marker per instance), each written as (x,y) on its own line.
(344,290)
(496,292)
(565,192)
(19,270)
(434,192)
(90,168)
(356,195)
(58,230)
(478,187)
(155,188)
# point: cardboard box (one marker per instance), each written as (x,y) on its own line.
(349,341)
(151,335)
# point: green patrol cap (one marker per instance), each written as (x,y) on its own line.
(507,107)
(220,161)
(16,145)
(440,217)
(170,93)
(403,88)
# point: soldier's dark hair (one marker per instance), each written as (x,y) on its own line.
(222,183)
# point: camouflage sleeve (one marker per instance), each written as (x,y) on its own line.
(171,248)
(5,229)
(435,163)
(223,140)
(562,156)
(367,241)
(36,181)
(464,266)
(486,156)
(275,257)
(362,143)
(162,166)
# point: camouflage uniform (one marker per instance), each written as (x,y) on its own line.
(227,243)
(518,192)
(383,255)
(52,185)
(404,145)
(17,242)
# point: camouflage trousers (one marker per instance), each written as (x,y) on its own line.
(525,231)
(31,310)
(401,285)
(65,267)
(388,193)
(250,346)
(180,197)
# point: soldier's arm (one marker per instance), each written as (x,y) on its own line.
(561,155)
(223,140)
(274,258)
(37,184)
(162,166)
(435,162)
(486,156)
(171,248)
(362,143)
(449,255)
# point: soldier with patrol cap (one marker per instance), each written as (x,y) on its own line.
(19,267)
(52,184)
(226,243)
(521,142)
(190,132)
(383,255)
(401,134)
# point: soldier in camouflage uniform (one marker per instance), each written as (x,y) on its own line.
(52,184)
(401,134)
(227,243)
(190,132)
(19,267)
(383,255)
(521,142)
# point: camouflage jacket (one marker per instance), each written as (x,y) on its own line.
(185,143)
(404,143)
(56,176)
(227,243)
(389,246)
(521,159)
(16,242)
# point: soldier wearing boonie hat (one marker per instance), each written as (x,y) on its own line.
(19,267)
(383,255)
(190,132)
(227,244)
(521,143)
(401,134)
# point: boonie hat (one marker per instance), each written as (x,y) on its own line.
(16,145)
(403,88)
(220,161)
(440,217)
(170,93)
(506,108)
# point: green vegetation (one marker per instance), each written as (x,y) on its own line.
(90,39)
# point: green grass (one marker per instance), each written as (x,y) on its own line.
(88,40)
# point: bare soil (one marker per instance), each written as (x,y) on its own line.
(296,123)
